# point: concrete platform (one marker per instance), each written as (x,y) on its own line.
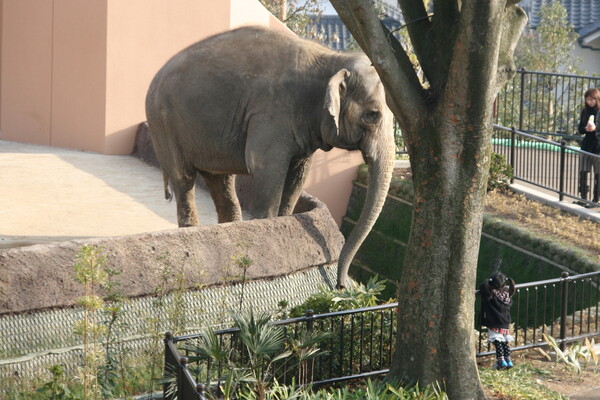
(51,194)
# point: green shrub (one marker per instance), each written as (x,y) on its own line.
(500,173)
(331,300)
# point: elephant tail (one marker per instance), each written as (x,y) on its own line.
(168,194)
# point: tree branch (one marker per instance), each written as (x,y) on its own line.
(298,10)
(514,22)
(386,54)
(418,26)
(475,54)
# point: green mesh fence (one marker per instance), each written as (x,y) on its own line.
(30,343)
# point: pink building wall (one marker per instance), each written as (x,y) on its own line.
(74,73)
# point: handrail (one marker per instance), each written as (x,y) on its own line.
(570,301)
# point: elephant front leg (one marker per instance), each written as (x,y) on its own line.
(269,173)
(294,183)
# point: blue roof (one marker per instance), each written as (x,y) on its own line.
(580,13)
(337,36)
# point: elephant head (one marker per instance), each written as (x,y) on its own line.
(357,118)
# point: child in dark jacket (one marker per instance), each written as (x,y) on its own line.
(496,300)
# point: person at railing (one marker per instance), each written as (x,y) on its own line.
(589,125)
(496,300)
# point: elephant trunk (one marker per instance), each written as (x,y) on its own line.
(381,165)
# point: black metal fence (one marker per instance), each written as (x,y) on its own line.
(362,340)
(544,163)
(536,116)
(543,103)
(566,308)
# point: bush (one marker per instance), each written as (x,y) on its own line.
(500,173)
(328,300)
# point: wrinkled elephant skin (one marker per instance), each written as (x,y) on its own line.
(260,102)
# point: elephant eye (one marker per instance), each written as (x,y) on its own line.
(371,117)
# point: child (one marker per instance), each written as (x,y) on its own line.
(495,315)
(590,127)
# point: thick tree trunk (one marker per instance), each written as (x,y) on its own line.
(436,311)
(465,51)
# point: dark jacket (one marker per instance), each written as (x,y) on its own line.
(591,141)
(494,313)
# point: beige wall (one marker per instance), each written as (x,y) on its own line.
(26,71)
(143,35)
(74,73)
(1,7)
(79,74)
(330,179)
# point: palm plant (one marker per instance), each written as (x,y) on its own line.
(251,365)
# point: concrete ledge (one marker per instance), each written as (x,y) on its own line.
(42,276)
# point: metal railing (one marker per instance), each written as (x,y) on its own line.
(544,163)
(566,308)
(543,110)
(362,340)
(543,103)
(549,105)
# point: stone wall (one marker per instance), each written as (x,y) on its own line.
(42,276)
(291,258)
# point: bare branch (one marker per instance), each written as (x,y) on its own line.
(298,10)
(418,25)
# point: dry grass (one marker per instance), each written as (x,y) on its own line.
(545,220)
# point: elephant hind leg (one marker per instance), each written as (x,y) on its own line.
(222,191)
(185,195)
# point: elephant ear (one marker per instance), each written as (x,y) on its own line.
(335,90)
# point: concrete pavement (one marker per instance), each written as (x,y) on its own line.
(51,194)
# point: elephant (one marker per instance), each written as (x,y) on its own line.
(258,101)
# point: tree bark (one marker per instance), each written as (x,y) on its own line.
(465,50)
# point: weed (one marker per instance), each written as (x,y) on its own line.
(545,221)
(501,173)
(516,384)
(57,388)
(169,300)
(355,296)
(574,355)
(91,271)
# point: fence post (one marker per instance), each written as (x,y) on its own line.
(522,98)
(309,320)
(168,365)
(181,381)
(561,183)
(201,391)
(563,308)
(513,135)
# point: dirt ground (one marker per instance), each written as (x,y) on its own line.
(555,376)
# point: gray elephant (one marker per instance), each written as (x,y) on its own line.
(261,102)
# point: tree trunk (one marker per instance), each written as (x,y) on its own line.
(436,289)
(465,51)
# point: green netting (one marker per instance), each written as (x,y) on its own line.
(32,342)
